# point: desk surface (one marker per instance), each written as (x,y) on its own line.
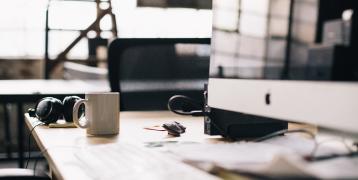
(58,144)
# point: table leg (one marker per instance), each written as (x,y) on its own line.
(7,131)
(20,134)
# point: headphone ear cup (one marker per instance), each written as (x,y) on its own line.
(68,104)
(49,110)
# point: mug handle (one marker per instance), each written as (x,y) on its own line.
(75,114)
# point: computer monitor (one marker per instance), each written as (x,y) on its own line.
(287,60)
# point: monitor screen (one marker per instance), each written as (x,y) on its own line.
(283,39)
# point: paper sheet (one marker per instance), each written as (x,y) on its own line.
(281,156)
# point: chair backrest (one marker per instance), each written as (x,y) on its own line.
(147,71)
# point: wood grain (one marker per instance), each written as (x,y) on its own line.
(59,144)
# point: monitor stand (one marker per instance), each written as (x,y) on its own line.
(236,126)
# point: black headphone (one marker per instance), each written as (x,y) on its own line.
(49,109)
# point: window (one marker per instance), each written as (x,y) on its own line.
(22,25)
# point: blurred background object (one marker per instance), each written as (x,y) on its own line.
(23,27)
(69,39)
(148,71)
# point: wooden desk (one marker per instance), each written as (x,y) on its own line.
(22,91)
(60,144)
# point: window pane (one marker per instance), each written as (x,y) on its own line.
(225,19)
(71,15)
(252,47)
(60,40)
(164,23)
(12,43)
(253,25)
(34,43)
(225,42)
(259,7)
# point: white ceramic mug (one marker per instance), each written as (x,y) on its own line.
(101,113)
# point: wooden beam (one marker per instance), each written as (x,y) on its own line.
(62,56)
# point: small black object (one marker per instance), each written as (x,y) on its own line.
(68,104)
(174,128)
(32,112)
(49,110)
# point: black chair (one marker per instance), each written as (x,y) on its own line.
(148,71)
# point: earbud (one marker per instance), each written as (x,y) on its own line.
(49,110)
(68,104)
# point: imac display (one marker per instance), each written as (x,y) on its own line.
(291,60)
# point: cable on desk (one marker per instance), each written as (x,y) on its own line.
(330,140)
(281,132)
(35,167)
(187,109)
(312,156)
(29,142)
(331,156)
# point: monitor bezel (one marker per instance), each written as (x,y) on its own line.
(330,105)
